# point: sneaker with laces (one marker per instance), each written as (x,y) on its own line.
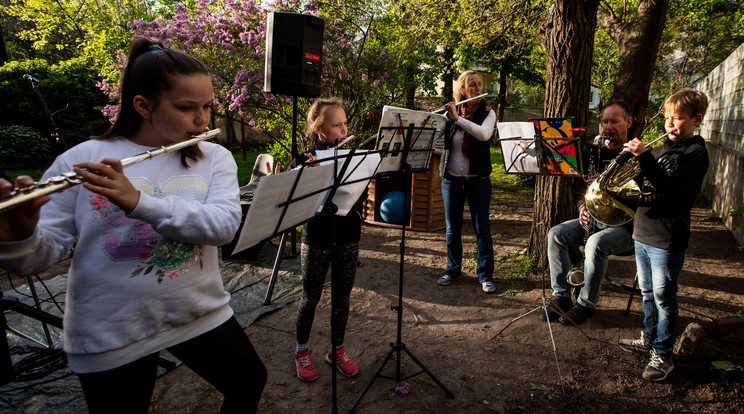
(635,345)
(577,315)
(658,368)
(345,365)
(306,370)
(445,280)
(488,286)
(564,304)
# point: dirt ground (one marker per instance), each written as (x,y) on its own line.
(457,333)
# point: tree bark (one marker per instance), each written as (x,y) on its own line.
(568,48)
(502,90)
(638,47)
(449,74)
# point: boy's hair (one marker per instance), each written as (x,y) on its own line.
(316,116)
(150,72)
(462,80)
(687,100)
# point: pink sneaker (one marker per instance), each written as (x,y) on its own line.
(306,370)
(344,364)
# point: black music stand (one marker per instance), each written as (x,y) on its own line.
(423,140)
(311,193)
(7,370)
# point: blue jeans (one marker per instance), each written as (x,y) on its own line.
(477,192)
(600,245)
(658,272)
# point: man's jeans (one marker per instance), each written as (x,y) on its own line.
(477,192)
(603,243)
(658,272)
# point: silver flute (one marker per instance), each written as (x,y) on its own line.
(443,109)
(20,196)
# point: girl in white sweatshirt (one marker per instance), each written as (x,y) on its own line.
(145,274)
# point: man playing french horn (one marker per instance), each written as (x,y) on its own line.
(599,240)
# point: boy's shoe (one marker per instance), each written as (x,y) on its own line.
(578,314)
(306,370)
(488,286)
(564,304)
(658,368)
(344,364)
(445,280)
(635,345)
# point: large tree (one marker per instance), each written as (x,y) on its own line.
(637,33)
(569,37)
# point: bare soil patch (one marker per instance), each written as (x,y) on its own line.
(453,330)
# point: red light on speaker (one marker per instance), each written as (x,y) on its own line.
(312,56)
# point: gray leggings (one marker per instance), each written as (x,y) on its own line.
(315,262)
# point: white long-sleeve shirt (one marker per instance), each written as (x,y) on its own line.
(143,282)
(458,164)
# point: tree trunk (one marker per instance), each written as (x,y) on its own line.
(409,87)
(568,48)
(638,47)
(449,74)
(502,90)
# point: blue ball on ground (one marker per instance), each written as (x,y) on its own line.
(391,207)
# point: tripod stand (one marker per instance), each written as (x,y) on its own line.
(398,346)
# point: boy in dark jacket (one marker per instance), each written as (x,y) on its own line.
(672,176)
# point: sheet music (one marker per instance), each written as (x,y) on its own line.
(518,149)
(524,130)
(265,210)
(418,157)
(362,165)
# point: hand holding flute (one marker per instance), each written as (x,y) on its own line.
(451,107)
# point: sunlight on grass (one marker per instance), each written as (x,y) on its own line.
(509,188)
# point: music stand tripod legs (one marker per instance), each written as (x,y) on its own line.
(398,346)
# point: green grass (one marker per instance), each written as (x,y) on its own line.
(509,188)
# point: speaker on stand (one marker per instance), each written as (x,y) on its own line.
(294,59)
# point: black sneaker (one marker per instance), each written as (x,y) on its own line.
(635,345)
(658,368)
(577,315)
(564,304)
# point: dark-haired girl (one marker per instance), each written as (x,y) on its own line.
(145,274)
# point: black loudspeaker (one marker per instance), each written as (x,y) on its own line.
(294,54)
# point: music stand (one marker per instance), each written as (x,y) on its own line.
(332,187)
(518,149)
(558,153)
(7,373)
(422,142)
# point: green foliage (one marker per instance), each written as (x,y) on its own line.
(69,91)
(605,64)
(22,147)
(91,29)
(546,391)
(735,211)
(697,37)
(517,265)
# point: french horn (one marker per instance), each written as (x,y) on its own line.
(613,197)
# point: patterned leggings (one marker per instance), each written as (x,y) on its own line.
(315,262)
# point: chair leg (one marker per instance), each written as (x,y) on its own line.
(632,292)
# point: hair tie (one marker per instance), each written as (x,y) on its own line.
(153,48)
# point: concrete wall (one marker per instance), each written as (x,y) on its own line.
(723,129)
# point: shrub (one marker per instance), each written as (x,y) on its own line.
(22,147)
